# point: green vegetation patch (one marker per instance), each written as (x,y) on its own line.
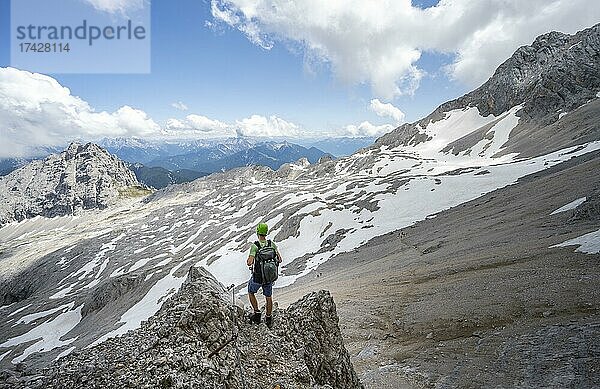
(134,191)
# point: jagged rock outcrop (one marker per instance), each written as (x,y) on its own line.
(81,177)
(556,71)
(198,339)
(556,74)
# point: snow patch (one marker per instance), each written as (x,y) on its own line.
(47,334)
(63,292)
(455,125)
(164,261)
(501,132)
(4,355)
(6,306)
(34,316)
(19,310)
(148,305)
(572,205)
(89,267)
(65,353)
(588,243)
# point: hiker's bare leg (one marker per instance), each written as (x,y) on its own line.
(253,301)
(269,305)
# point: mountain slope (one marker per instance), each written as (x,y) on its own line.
(478,295)
(8,165)
(112,271)
(158,177)
(556,76)
(269,154)
(159,152)
(81,177)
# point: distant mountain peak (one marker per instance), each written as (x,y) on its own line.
(556,70)
(556,74)
(83,176)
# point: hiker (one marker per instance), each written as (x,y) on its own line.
(263,262)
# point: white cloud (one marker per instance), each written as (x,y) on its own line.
(380,42)
(387,110)
(198,126)
(273,126)
(117,6)
(35,110)
(365,129)
(180,106)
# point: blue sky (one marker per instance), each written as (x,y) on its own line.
(222,75)
(275,67)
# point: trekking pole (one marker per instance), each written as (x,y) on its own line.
(232,287)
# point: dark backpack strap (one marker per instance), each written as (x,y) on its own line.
(257,244)
(269,243)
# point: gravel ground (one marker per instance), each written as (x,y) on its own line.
(475,297)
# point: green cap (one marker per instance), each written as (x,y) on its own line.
(262,229)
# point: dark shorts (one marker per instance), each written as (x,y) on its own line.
(253,287)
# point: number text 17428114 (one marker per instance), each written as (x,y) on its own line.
(41,47)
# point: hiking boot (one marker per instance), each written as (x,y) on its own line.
(269,321)
(255,318)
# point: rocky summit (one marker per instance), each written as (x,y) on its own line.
(199,339)
(81,177)
(557,75)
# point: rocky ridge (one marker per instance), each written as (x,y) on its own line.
(81,177)
(553,76)
(199,339)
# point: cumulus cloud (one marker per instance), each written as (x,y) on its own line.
(261,126)
(380,42)
(387,110)
(35,110)
(117,6)
(180,106)
(365,129)
(198,126)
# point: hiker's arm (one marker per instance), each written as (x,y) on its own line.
(251,255)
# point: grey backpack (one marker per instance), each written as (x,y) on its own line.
(265,264)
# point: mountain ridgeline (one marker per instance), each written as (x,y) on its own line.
(81,177)
(221,158)
(555,80)
(161,163)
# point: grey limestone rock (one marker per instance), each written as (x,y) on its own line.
(557,73)
(81,177)
(198,339)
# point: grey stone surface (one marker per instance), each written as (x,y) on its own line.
(188,344)
(557,73)
(81,177)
